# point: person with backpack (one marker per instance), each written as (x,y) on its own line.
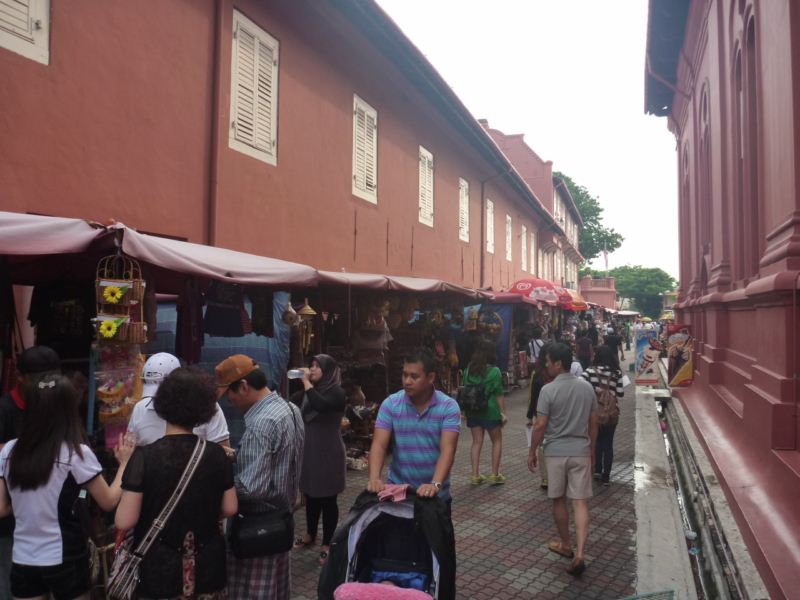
(481,375)
(606,379)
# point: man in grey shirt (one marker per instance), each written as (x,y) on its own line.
(567,418)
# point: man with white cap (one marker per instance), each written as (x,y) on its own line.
(148,427)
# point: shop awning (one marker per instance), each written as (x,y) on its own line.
(397,283)
(539,290)
(511,298)
(36,235)
(577,303)
(213,262)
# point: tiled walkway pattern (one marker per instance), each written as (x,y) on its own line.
(501,531)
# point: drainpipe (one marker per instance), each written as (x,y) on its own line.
(216,93)
(483,220)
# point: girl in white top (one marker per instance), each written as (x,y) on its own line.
(43,472)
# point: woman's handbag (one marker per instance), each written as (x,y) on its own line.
(262,533)
(472,396)
(124,576)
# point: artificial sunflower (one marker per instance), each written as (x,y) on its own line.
(113,294)
(108,329)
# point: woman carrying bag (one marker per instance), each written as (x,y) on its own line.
(43,471)
(482,371)
(322,478)
(187,558)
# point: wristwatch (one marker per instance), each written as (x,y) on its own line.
(437,485)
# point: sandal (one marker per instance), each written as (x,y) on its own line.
(559,549)
(577,568)
(301,542)
(323,558)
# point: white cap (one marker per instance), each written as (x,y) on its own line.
(155,370)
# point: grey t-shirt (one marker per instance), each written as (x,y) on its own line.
(567,402)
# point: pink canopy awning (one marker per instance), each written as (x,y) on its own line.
(377,281)
(213,262)
(36,235)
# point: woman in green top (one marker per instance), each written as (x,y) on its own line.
(482,370)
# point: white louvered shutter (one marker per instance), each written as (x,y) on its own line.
(489,226)
(533,253)
(16,18)
(365,150)
(254,90)
(509,235)
(463,210)
(523,238)
(425,187)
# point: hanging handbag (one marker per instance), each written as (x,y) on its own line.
(124,576)
(266,532)
(472,396)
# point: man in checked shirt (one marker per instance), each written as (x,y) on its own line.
(267,470)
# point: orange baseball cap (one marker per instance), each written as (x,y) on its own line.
(233,369)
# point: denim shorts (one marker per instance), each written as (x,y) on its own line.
(487,424)
(66,581)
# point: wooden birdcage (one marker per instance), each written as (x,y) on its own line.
(119,293)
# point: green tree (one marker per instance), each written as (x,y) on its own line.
(594,236)
(644,286)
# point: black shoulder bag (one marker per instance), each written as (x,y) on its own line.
(267,532)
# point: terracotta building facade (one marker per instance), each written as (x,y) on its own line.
(308,131)
(726,74)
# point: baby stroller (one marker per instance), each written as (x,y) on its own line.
(409,543)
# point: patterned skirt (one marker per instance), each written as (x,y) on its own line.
(262,578)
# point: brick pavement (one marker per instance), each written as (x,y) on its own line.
(501,531)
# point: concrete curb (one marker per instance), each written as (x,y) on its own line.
(661,554)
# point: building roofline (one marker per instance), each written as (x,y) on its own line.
(379,28)
(666,29)
(560,183)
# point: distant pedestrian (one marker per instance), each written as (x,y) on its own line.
(584,349)
(535,345)
(606,379)
(567,417)
(614,341)
(483,371)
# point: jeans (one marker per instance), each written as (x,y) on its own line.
(604,453)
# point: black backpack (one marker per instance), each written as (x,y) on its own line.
(472,396)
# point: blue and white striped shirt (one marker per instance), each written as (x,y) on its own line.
(270,454)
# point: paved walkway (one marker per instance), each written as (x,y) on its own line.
(501,531)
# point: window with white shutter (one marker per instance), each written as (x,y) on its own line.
(533,253)
(25,28)
(365,150)
(509,234)
(463,210)
(254,91)
(425,187)
(489,226)
(523,238)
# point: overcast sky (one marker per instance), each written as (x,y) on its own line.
(569,74)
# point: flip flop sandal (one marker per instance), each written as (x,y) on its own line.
(299,542)
(556,547)
(323,558)
(577,569)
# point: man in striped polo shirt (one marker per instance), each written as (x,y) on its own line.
(425,424)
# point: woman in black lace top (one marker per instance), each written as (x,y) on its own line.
(188,558)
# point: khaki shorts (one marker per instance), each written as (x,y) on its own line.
(570,475)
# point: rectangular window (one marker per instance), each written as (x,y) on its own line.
(25,28)
(509,235)
(533,253)
(425,187)
(365,151)
(463,210)
(254,91)
(523,239)
(489,226)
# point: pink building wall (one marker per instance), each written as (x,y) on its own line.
(736,121)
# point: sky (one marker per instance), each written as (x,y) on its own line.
(569,74)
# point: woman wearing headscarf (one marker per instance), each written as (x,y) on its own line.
(322,478)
